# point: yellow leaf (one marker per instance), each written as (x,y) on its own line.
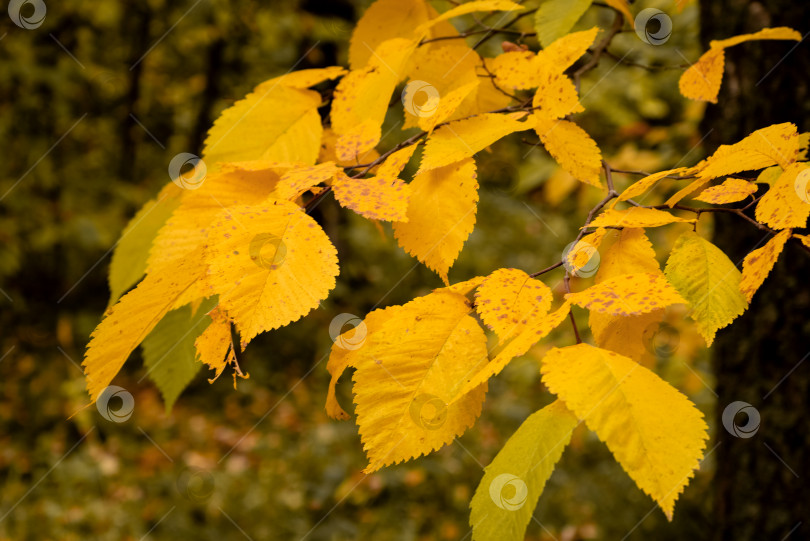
(654,432)
(730,191)
(571,147)
(631,253)
(361,98)
(623,7)
(470,7)
(349,349)
(708,280)
(404,375)
(557,96)
(636,217)
(466,287)
(269,263)
(782,206)
(441,215)
(303,78)
(703,78)
(448,104)
(298,180)
(274,122)
(388,19)
(628,294)
(244,183)
(396,162)
(642,186)
(562,53)
(517,70)
(376,198)
(509,300)
(128,322)
(805,239)
(758,264)
(214,344)
(781,32)
(462,139)
(328,151)
(582,259)
(517,346)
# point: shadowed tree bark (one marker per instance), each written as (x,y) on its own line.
(762,490)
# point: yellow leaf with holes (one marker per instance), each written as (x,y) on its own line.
(571,147)
(388,19)
(270,264)
(128,322)
(516,346)
(631,253)
(703,78)
(758,264)
(654,431)
(245,183)
(404,372)
(470,7)
(509,300)
(643,186)
(298,180)
(781,32)
(214,344)
(361,98)
(730,191)
(441,215)
(274,122)
(462,139)
(375,198)
(708,280)
(623,7)
(636,217)
(782,206)
(303,78)
(628,294)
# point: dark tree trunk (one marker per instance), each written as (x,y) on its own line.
(762,484)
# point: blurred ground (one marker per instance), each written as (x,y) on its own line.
(93,105)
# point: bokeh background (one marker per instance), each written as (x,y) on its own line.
(94,103)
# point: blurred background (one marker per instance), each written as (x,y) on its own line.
(94,103)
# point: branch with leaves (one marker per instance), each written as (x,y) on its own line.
(244,239)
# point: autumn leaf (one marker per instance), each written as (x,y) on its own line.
(404,374)
(269,263)
(303,78)
(524,464)
(758,264)
(518,345)
(782,207)
(654,432)
(708,280)
(274,122)
(128,322)
(730,191)
(645,184)
(702,80)
(509,299)
(555,18)
(571,147)
(462,139)
(214,345)
(298,180)
(628,294)
(470,7)
(375,198)
(441,215)
(636,217)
